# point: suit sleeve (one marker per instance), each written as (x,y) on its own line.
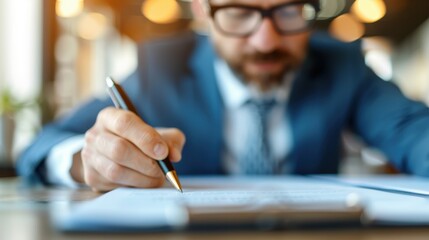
(388,120)
(30,163)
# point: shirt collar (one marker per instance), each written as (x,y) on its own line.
(235,93)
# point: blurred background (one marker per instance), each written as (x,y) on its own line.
(55,54)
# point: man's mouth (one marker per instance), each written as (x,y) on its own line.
(272,65)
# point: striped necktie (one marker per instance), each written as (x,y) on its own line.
(257,158)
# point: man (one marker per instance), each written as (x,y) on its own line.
(263,73)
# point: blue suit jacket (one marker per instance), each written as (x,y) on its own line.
(175,86)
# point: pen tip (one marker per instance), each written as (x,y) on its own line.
(174,180)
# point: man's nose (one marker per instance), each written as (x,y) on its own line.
(266,38)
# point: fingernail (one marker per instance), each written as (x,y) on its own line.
(160,150)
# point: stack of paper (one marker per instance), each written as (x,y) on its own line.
(264,202)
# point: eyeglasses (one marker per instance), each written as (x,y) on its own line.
(242,20)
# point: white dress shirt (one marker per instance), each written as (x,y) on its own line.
(60,159)
(236,116)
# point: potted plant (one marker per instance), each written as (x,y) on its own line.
(9,106)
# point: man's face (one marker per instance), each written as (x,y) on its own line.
(264,57)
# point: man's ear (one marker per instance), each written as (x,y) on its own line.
(199,10)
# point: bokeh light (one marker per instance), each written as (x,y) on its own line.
(68,8)
(369,11)
(161,11)
(346,28)
(91,26)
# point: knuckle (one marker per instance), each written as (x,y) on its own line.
(104,114)
(114,173)
(90,135)
(118,149)
(179,135)
(88,155)
(123,122)
(85,153)
(176,132)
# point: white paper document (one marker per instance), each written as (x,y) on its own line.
(241,200)
(395,183)
(214,200)
(389,199)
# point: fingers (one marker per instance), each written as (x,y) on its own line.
(131,127)
(121,150)
(102,174)
(175,140)
(126,154)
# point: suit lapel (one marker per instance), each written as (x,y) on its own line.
(306,117)
(209,105)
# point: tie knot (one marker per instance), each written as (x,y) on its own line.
(263,106)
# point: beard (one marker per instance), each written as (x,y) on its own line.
(249,68)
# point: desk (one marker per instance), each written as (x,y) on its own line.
(6,170)
(25,214)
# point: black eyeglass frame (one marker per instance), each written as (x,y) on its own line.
(265,13)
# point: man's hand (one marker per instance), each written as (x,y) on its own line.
(121,150)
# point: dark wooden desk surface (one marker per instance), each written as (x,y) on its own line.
(25,214)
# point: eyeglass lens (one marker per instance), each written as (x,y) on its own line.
(237,20)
